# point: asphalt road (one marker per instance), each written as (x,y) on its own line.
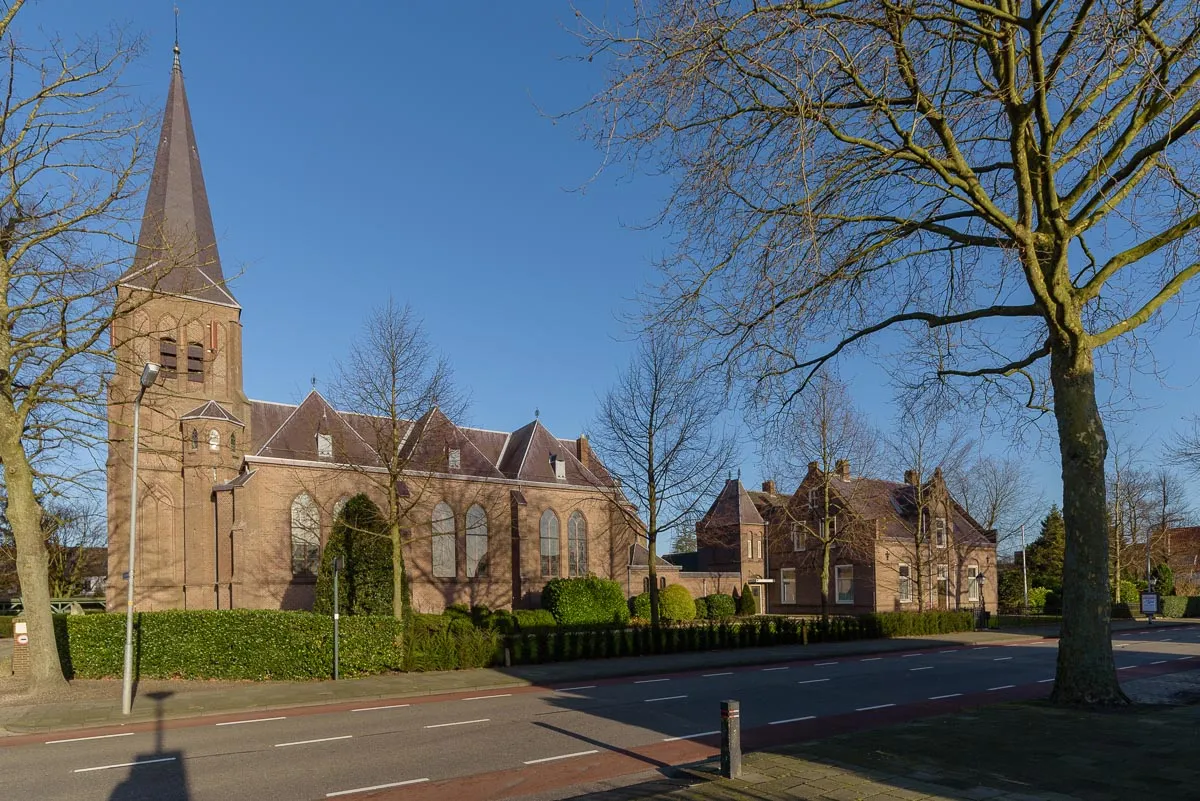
(331,754)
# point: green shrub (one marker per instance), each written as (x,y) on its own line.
(675,603)
(639,605)
(1037,600)
(909,624)
(365,582)
(1174,606)
(720,606)
(1131,592)
(533,619)
(747,606)
(701,609)
(6,626)
(1166,580)
(585,601)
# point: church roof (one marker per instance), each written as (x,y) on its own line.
(177,245)
(288,431)
(211,410)
(732,507)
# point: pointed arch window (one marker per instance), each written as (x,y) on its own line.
(477,541)
(444,555)
(195,439)
(577,555)
(214,440)
(168,356)
(306,536)
(195,361)
(549,543)
(233,440)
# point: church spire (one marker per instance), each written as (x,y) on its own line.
(177,246)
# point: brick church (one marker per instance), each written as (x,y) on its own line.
(236,497)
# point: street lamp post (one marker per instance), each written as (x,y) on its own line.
(149,376)
(1152,584)
(982,581)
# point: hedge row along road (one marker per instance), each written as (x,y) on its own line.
(507,743)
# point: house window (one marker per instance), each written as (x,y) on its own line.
(905,584)
(477,541)
(973,583)
(195,361)
(559,465)
(787,585)
(757,543)
(168,356)
(844,581)
(939,532)
(577,555)
(812,499)
(214,440)
(829,529)
(799,540)
(549,543)
(306,536)
(454,457)
(324,446)
(444,556)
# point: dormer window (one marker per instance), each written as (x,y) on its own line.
(454,458)
(168,356)
(324,446)
(195,361)
(559,465)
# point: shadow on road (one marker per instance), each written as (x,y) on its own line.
(156,776)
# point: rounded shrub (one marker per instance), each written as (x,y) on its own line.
(701,609)
(747,606)
(675,603)
(719,606)
(585,601)
(365,582)
(640,605)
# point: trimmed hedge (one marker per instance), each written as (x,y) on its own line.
(585,601)
(675,603)
(720,606)
(527,619)
(746,603)
(1180,606)
(264,644)
(701,608)
(912,624)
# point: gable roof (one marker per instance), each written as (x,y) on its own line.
(296,437)
(177,245)
(211,411)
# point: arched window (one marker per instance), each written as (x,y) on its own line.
(338,506)
(550,543)
(195,363)
(195,439)
(577,557)
(214,440)
(168,356)
(306,536)
(233,440)
(444,556)
(477,541)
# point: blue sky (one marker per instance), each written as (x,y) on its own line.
(384,148)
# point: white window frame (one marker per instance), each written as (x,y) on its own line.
(306,536)
(549,544)
(799,537)
(838,570)
(939,532)
(577,545)
(973,583)
(906,583)
(324,446)
(756,545)
(454,459)
(214,440)
(787,585)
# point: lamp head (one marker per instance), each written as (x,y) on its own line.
(150,374)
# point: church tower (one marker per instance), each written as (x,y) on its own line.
(175,309)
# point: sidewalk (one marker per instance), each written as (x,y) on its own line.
(96,703)
(1008,752)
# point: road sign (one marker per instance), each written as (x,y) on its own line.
(22,639)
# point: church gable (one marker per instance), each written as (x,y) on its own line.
(432,444)
(302,436)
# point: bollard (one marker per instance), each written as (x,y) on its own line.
(731,740)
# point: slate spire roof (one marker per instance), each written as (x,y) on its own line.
(177,245)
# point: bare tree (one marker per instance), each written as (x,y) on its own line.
(71,152)
(658,431)
(1016,179)
(1184,448)
(1171,507)
(824,426)
(395,380)
(998,493)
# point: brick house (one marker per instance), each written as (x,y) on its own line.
(237,496)
(894,546)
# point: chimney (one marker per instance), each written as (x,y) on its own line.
(769,487)
(812,466)
(910,477)
(583,451)
(842,468)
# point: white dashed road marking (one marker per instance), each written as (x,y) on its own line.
(560,756)
(872,659)
(1001,687)
(97,737)
(573,689)
(791,720)
(942,697)
(457,723)
(254,720)
(126,764)
(374,787)
(485,697)
(710,675)
(309,742)
(666,698)
(1002,659)
(690,736)
(376,708)
(872,708)
(650,681)
(812,681)
(927,667)
(768,670)
(824,664)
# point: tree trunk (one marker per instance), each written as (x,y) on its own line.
(1086,673)
(826,547)
(401,600)
(33,566)
(652,572)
